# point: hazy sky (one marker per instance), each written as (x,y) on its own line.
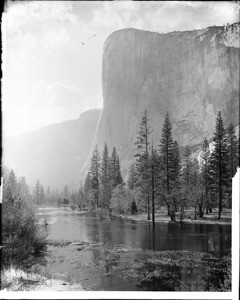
(49,76)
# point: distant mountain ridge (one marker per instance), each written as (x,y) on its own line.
(53,154)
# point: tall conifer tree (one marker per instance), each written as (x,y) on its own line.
(154,171)
(105,179)
(167,155)
(233,149)
(142,163)
(95,175)
(168,168)
(115,169)
(12,183)
(219,162)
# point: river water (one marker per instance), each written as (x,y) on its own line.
(74,265)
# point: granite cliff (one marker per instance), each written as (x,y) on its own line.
(191,74)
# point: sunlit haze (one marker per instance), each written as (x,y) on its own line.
(52,73)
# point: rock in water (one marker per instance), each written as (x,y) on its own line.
(191,74)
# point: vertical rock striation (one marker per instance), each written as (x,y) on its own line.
(191,74)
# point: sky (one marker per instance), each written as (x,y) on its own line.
(50,76)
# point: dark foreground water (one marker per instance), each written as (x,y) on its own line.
(75,265)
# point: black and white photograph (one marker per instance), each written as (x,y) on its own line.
(120,149)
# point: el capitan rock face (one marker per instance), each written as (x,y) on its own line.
(191,74)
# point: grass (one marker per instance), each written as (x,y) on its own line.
(168,270)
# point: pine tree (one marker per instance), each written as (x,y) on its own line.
(87,183)
(131,184)
(168,158)
(95,175)
(154,167)
(233,149)
(115,169)
(167,155)
(219,162)
(118,175)
(142,162)
(105,179)
(88,191)
(132,177)
(12,183)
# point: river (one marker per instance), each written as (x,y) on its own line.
(73,265)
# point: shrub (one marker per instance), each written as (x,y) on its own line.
(24,243)
(119,203)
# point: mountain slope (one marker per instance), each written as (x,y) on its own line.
(54,154)
(191,74)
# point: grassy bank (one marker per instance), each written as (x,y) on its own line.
(42,277)
(162,217)
(86,264)
(168,270)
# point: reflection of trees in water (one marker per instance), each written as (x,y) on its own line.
(218,240)
(163,270)
(205,238)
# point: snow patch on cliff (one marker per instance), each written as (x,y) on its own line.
(231,35)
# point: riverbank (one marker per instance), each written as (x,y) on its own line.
(182,270)
(14,279)
(87,253)
(138,269)
(162,217)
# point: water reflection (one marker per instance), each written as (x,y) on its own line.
(86,227)
(83,266)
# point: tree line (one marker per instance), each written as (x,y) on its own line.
(161,176)
(54,197)
(103,180)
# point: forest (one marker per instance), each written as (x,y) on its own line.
(163,177)
(167,179)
